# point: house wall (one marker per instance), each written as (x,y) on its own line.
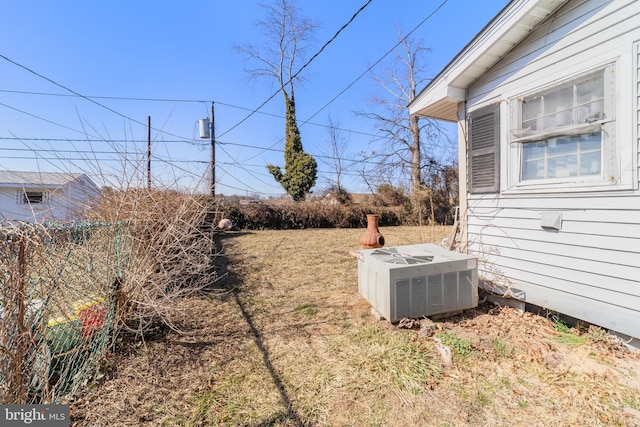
(589,268)
(76,197)
(62,203)
(12,210)
(636,96)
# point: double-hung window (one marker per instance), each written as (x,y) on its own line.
(560,131)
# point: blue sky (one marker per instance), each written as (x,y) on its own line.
(79,79)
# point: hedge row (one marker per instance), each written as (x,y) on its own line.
(261,216)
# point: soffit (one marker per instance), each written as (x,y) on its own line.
(439,98)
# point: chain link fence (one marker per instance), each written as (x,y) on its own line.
(58,300)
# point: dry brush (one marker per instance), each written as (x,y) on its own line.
(172,252)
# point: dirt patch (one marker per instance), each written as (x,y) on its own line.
(292,343)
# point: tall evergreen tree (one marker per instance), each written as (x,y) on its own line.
(287,36)
(301,169)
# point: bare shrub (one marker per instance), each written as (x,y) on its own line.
(418,208)
(172,252)
(388,195)
(339,194)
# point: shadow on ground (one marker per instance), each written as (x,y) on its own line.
(233,283)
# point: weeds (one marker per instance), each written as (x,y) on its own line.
(462,347)
(309,310)
(567,335)
(203,401)
(599,335)
(560,326)
(501,347)
(385,358)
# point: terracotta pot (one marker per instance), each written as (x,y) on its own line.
(372,238)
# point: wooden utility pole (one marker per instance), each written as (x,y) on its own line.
(213,154)
(149,152)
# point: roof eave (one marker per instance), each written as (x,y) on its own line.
(499,37)
(440,103)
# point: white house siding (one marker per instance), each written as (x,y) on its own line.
(636,95)
(590,267)
(49,210)
(75,198)
(66,197)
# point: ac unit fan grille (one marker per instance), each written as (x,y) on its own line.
(392,256)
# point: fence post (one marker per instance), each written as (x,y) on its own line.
(20,321)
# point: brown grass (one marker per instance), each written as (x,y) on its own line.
(292,343)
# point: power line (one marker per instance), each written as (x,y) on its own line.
(190,172)
(68,89)
(256,110)
(300,70)
(93,140)
(378,61)
(219,143)
(127,153)
(246,170)
(364,73)
(182,139)
(330,40)
(262,193)
(282,151)
(320,171)
(65,159)
(51,150)
(82,96)
(40,118)
(168,161)
(242,183)
(93,159)
(115,98)
(125,98)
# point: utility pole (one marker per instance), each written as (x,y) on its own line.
(208,130)
(213,154)
(149,153)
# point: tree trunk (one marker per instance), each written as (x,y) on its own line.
(416,155)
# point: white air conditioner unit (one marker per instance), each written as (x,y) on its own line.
(417,280)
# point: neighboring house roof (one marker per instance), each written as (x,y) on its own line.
(43,179)
(440,98)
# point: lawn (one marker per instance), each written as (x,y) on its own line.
(288,341)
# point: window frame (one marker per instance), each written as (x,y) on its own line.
(605,125)
(32,197)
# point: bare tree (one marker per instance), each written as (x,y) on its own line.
(337,145)
(288,37)
(411,145)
